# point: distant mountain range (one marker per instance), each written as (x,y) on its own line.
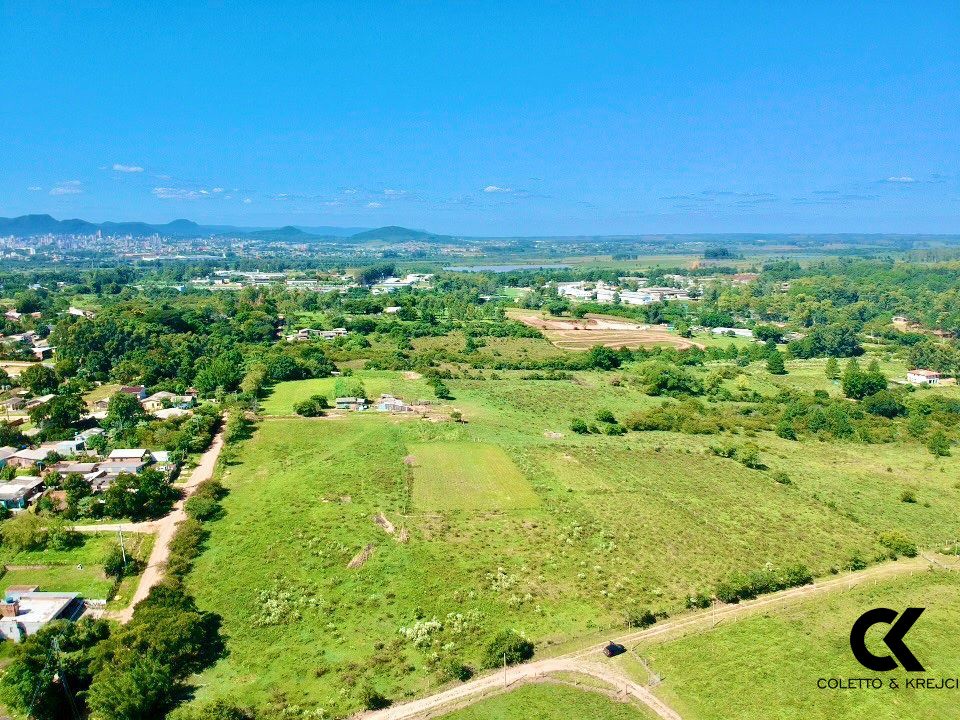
(31,225)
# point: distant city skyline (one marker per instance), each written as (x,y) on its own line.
(480,119)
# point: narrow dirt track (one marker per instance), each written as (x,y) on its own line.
(589,660)
(166,526)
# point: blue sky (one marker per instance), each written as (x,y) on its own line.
(486,118)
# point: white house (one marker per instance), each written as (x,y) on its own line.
(923,377)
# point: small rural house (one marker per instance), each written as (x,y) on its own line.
(923,377)
(5,452)
(350,403)
(23,612)
(164,399)
(20,492)
(128,454)
(138,390)
(389,403)
(28,458)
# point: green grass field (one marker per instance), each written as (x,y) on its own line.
(467,476)
(768,665)
(510,521)
(551,702)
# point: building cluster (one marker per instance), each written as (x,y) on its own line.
(386,403)
(68,457)
(393,283)
(312,334)
(606,294)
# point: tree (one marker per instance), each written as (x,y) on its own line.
(39,379)
(312,406)
(141,687)
(124,413)
(662,378)
(775,364)
(939,444)
(509,646)
(832,368)
(600,357)
(857,384)
(59,414)
(884,404)
(24,531)
(35,678)
(749,455)
(349,387)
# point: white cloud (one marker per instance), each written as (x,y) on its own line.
(496,189)
(350,191)
(168,193)
(217,190)
(34,188)
(901,179)
(67,187)
(389,192)
(374,205)
(119,167)
(247,201)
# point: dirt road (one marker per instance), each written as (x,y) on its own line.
(166,526)
(590,661)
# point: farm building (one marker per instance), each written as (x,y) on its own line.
(923,377)
(738,332)
(389,403)
(350,403)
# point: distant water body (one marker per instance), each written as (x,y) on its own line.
(504,268)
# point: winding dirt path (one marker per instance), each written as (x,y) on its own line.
(166,526)
(590,660)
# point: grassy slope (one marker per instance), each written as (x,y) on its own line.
(550,702)
(768,666)
(633,521)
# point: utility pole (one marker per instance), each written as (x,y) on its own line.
(123,551)
(63,679)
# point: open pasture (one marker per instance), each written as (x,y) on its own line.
(466,476)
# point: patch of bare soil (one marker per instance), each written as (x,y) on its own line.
(552,435)
(381,520)
(403,536)
(582,334)
(361,557)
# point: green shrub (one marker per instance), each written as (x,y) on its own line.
(579,426)
(606,416)
(640,618)
(898,544)
(313,406)
(507,644)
